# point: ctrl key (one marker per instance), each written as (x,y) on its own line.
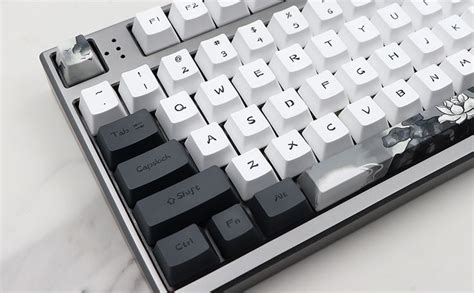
(184,255)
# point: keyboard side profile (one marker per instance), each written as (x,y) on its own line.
(403,168)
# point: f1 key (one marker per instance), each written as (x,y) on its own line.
(128,137)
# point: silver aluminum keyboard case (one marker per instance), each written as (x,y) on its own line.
(282,251)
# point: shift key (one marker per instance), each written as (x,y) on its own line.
(153,171)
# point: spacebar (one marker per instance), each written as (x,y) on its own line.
(389,152)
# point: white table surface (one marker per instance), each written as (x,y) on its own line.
(58,233)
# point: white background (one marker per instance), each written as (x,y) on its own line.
(58,234)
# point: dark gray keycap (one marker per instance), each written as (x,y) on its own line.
(280,207)
(234,232)
(153,171)
(184,255)
(128,137)
(193,200)
(389,152)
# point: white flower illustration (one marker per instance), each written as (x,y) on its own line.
(457,109)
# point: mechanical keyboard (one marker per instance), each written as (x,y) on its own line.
(232,138)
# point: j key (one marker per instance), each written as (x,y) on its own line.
(392,150)
(424,48)
(234,232)
(193,200)
(128,137)
(185,254)
(153,171)
(280,207)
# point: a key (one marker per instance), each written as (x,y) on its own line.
(153,31)
(290,155)
(364,118)
(292,66)
(209,146)
(190,18)
(460,68)
(178,72)
(424,48)
(424,13)
(99,105)
(289,27)
(323,15)
(327,136)
(392,151)
(250,173)
(217,56)
(398,101)
(455,34)
(153,171)
(432,84)
(391,63)
(139,89)
(217,99)
(280,207)
(253,42)
(77,61)
(255,82)
(257,5)
(249,129)
(128,137)
(359,79)
(393,23)
(178,116)
(192,200)
(361,37)
(323,94)
(185,254)
(327,51)
(234,232)
(287,111)
(357,8)
(226,11)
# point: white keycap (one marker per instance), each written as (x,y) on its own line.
(289,27)
(178,116)
(209,146)
(391,63)
(433,86)
(139,89)
(399,101)
(178,72)
(226,11)
(364,118)
(460,68)
(257,5)
(455,34)
(290,155)
(217,99)
(323,94)
(423,13)
(357,8)
(254,41)
(468,15)
(153,31)
(250,173)
(361,37)
(327,51)
(99,105)
(323,15)
(328,136)
(451,7)
(249,129)
(359,79)
(393,23)
(217,56)
(255,82)
(424,48)
(292,66)
(287,111)
(190,18)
